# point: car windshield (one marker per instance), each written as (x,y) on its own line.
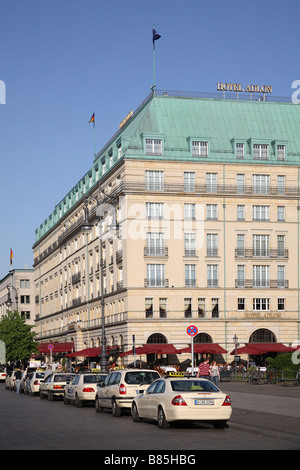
(193,386)
(63,378)
(93,379)
(141,377)
(40,375)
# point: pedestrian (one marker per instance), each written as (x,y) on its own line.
(18,376)
(204,370)
(215,374)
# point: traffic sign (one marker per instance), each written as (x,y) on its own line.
(192,330)
(50,347)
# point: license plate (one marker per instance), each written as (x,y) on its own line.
(204,402)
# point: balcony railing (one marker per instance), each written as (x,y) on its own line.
(261,253)
(156,282)
(266,283)
(155,251)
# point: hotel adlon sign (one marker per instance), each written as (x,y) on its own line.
(237,87)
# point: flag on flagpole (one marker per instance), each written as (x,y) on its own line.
(155,35)
(11,256)
(92,119)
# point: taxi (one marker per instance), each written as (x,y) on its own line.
(54,384)
(33,381)
(83,388)
(121,386)
(2,375)
(180,398)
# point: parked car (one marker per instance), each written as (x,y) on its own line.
(177,398)
(54,384)
(121,386)
(10,380)
(33,382)
(7,379)
(83,388)
(2,374)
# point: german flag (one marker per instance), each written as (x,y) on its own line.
(11,256)
(92,118)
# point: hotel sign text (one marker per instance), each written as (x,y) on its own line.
(249,88)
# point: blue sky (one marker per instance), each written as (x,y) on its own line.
(61,59)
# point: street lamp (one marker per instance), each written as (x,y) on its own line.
(236,343)
(9,301)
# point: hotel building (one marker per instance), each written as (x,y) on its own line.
(205,191)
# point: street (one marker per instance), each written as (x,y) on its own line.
(264,417)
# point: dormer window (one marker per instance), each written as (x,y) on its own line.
(199,149)
(153,147)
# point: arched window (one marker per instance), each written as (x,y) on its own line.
(157,338)
(262,336)
(203,338)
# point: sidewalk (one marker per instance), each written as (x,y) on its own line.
(265,408)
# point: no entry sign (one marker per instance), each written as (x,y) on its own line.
(192,330)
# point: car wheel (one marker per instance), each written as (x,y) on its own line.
(135,414)
(41,396)
(161,419)
(116,411)
(220,424)
(78,402)
(50,396)
(98,407)
(66,401)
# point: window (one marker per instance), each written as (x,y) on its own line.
(187,308)
(25,299)
(212,275)
(240,212)
(153,147)
(199,149)
(281,184)
(190,275)
(201,307)
(260,152)
(280,214)
(239,150)
(149,307)
(211,211)
(189,211)
(261,184)
(261,304)
(154,210)
(241,304)
(281,276)
(215,308)
(154,180)
(189,244)
(240,181)
(241,276)
(211,182)
(241,245)
(261,245)
(261,213)
(281,304)
(163,308)
(25,283)
(155,244)
(189,181)
(280,153)
(261,276)
(280,245)
(155,275)
(211,244)
(25,315)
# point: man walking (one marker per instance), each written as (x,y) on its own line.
(204,371)
(18,376)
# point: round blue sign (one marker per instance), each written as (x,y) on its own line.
(192,330)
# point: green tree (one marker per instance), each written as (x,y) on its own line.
(17,336)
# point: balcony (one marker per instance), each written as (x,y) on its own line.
(156,282)
(158,251)
(261,253)
(261,284)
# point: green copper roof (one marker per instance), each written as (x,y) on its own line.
(177,121)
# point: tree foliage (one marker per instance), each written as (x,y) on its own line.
(282,362)
(17,336)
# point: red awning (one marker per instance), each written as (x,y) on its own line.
(57,348)
(209,348)
(261,348)
(89,352)
(161,348)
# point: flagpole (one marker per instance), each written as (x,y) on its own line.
(94,135)
(153,86)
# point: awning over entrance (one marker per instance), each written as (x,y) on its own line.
(162,348)
(57,348)
(261,348)
(201,348)
(89,352)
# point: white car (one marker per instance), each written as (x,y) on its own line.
(54,384)
(2,375)
(121,386)
(33,382)
(83,388)
(177,398)
(10,380)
